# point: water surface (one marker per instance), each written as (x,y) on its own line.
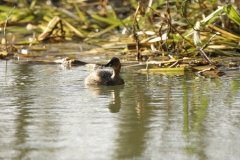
(46,112)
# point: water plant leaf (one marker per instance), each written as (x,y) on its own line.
(106,20)
(210,73)
(227,53)
(207,20)
(157,4)
(8,9)
(167,71)
(104,31)
(201,68)
(212,17)
(3,53)
(196,35)
(77,32)
(232,13)
(81,14)
(224,32)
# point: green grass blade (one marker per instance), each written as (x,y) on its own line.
(232,13)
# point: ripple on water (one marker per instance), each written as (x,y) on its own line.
(46,110)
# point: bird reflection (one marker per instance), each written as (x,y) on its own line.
(113,91)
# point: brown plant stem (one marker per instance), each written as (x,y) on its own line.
(4,29)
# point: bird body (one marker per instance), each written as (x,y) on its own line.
(106,76)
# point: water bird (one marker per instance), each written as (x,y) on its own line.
(106,76)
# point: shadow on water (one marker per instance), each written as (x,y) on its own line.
(134,119)
(184,104)
(195,105)
(23,81)
(201,99)
(29,124)
(130,100)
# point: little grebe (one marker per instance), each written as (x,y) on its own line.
(106,76)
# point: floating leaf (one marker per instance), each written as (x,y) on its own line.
(168,71)
(3,53)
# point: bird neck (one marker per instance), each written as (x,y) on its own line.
(115,72)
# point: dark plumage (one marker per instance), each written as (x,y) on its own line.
(106,76)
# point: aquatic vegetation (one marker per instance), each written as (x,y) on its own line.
(147,30)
